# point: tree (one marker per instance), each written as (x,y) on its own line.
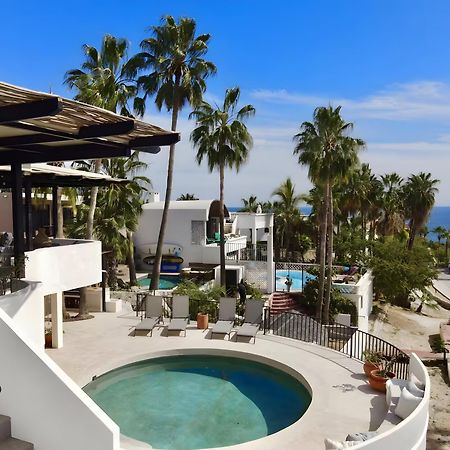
(330,153)
(439,231)
(177,72)
(287,212)
(392,221)
(102,81)
(304,244)
(419,197)
(398,271)
(185,197)
(250,204)
(222,138)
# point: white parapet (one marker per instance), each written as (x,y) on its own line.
(69,264)
(44,403)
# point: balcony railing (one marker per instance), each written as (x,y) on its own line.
(348,340)
(251,252)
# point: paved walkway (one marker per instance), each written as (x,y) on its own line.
(342,400)
(442,285)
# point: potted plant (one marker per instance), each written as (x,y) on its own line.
(202,320)
(48,338)
(372,361)
(378,377)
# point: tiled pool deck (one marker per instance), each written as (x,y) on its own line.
(342,400)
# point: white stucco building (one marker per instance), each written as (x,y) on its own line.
(192,235)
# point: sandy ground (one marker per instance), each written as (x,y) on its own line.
(411,331)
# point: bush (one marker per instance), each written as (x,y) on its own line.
(203,301)
(339,304)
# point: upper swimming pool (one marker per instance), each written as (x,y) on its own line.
(299,279)
(202,401)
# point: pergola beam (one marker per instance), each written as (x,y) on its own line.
(67,153)
(157,140)
(106,129)
(30,110)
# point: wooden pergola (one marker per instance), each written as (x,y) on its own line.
(36,127)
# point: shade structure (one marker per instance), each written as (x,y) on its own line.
(46,175)
(39,127)
(36,127)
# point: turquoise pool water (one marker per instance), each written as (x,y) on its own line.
(165,282)
(191,402)
(299,279)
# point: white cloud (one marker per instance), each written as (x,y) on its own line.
(405,148)
(425,100)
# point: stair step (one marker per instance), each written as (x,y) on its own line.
(5,427)
(15,444)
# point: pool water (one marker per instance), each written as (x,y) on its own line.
(165,282)
(299,279)
(192,402)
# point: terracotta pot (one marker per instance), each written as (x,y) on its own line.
(202,321)
(378,382)
(48,341)
(368,367)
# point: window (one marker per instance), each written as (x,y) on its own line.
(198,232)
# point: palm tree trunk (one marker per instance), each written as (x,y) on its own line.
(222,229)
(323,239)
(130,259)
(412,235)
(83,311)
(446,250)
(154,282)
(60,229)
(326,311)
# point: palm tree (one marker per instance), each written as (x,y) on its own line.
(250,204)
(287,213)
(102,81)
(439,232)
(330,153)
(392,220)
(126,200)
(187,196)
(221,137)
(174,57)
(419,198)
(446,236)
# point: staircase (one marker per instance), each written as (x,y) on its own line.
(6,441)
(280,302)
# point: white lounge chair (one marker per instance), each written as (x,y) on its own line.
(180,313)
(227,313)
(153,314)
(252,319)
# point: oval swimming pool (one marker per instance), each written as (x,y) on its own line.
(192,401)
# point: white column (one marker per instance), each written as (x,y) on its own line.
(57,319)
(270,263)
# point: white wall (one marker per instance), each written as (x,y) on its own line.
(410,433)
(47,408)
(178,231)
(361,294)
(73,264)
(26,307)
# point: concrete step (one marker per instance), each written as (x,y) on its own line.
(5,427)
(15,444)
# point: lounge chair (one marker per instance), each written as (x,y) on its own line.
(227,313)
(153,314)
(252,319)
(180,313)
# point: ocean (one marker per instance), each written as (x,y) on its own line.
(440,216)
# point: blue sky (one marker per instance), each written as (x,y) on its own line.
(386,63)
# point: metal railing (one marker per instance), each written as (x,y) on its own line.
(348,340)
(252,252)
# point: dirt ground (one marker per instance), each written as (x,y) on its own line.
(411,331)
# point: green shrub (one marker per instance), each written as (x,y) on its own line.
(339,304)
